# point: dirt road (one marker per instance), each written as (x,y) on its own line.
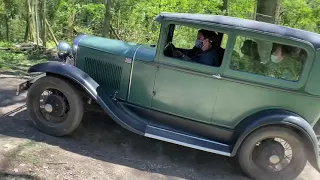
(100,149)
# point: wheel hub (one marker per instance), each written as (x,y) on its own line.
(55,105)
(270,153)
(48,108)
(274,159)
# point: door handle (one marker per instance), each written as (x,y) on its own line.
(216,76)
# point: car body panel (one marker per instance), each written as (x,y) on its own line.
(251,98)
(142,85)
(313,85)
(118,47)
(180,93)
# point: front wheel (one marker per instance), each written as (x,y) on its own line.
(275,153)
(55,106)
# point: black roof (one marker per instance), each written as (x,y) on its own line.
(311,37)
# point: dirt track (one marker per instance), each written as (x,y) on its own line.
(100,149)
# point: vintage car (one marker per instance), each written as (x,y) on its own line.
(245,89)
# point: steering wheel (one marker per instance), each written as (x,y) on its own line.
(169,49)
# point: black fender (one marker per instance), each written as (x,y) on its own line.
(279,117)
(97,93)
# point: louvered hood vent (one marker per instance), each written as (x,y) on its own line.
(108,75)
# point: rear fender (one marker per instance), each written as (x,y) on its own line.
(90,86)
(280,118)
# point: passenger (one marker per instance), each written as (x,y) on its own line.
(285,63)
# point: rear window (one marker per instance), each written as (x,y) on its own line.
(268,58)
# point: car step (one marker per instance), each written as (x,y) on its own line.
(187,140)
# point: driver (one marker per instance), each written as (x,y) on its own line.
(210,48)
(196,49)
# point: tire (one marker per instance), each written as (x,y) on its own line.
(75,112)
(290,172)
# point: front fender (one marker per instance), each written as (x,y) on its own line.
(76,75)
(71,72)
(279,117)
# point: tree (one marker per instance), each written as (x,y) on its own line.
(225,7)
(267,11)
(107,19)
(43,22)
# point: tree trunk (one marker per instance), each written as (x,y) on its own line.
(225,7)
(26,34)
(43,23)
(32,22)
(107,19)
(51,32)
(7,27)
(267,11)
(36,20)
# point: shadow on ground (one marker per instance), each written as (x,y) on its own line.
(7,98)
(100,138)
(17,176)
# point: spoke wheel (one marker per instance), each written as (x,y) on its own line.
(54,105)
(272,153)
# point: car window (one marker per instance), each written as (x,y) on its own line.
(183,43)
(268,58)
(184,37)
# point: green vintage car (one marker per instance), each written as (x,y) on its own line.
(245,89)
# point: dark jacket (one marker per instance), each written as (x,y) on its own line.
(193,52)
(209,58)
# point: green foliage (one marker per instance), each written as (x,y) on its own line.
(301,14)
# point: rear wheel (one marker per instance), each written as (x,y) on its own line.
(272,153)
(55,106)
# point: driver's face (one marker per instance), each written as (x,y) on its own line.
(200,37)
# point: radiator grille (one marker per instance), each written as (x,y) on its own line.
(106,74)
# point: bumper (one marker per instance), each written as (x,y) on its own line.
(22,87)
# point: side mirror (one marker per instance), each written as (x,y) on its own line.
(64,49)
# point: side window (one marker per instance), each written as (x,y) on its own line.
(195,45)
(267,58)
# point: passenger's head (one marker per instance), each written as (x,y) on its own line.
(210,40)
(277,54)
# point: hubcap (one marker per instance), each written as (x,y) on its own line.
(54,106)
(48,108)
(274,159)
(271,155)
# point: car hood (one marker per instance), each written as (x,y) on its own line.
(117,47)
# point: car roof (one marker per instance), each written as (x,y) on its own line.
(235,23)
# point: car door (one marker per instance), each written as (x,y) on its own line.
(185,88)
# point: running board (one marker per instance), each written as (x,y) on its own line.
(187,140)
